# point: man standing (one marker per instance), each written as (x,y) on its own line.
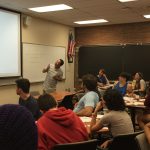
(54,74)
(26,100)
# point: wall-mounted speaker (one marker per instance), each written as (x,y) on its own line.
(27,20)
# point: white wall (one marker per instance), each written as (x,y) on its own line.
(46,33)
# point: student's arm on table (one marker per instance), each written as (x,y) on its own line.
(95,126)
(115,84)
(99,106)
(46,69)
(147,131)
(87,111)
(107,81)
(100,84)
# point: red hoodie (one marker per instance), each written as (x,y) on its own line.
(60,126)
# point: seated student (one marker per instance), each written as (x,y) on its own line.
(145,123)
(129,91)
(147,100)
(46,102)
(88,102)
(122,84)
(102,79)
(17,128)
(147,131)
(145,118)
(26,100)
(140,85)
(58,125)
(117,119)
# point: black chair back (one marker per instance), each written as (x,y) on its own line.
(142,142)
(124,142)
(85,145)
(67,102)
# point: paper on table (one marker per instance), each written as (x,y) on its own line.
(99,116)
(88,119)
(138,103)
(141,100)
(85,119)
(128,98)
(105,128)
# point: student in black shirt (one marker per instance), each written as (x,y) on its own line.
(26,100)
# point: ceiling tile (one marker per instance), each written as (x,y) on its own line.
(112,10)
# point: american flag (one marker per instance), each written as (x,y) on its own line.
(71,44)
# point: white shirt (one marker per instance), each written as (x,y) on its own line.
(50,83)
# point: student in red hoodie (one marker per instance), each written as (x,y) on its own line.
(58,125)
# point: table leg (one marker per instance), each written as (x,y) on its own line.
(132,112)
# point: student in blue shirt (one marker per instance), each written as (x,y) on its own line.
(88,102)
(122,83)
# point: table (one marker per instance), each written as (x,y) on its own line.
(58,95)
(133,105)
(102,89)
(87,120)
(106,87)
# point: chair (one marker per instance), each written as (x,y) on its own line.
(142,142)
(67,102)
(125,142)
(85,145)
(35,93)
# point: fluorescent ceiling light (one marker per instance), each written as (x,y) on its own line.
(147,16)
(91,21)
(123,1)
(51,8)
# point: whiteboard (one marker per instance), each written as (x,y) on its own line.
(36,57)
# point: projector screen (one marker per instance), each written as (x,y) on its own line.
(10,56)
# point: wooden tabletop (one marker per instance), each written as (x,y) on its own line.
(106,87)
(59,95)
(87,120)
(136,103)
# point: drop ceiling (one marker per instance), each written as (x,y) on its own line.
(112,10)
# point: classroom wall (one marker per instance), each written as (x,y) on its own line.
(132,33)
(113,34)
(48,33)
